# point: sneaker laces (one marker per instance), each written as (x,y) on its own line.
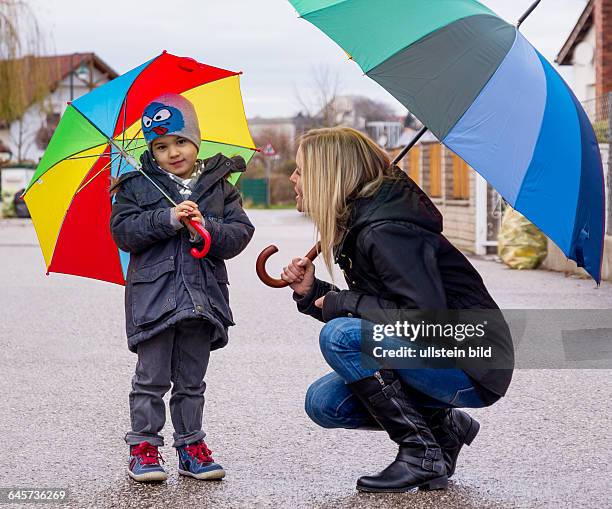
(200,451)
(149,454)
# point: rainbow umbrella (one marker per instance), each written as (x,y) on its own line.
(99,136)
(488,95)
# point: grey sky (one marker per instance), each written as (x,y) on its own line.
(264,38)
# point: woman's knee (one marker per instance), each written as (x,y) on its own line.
(339,336)
(321,401)
(318,414)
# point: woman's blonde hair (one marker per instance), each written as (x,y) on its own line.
(338,165)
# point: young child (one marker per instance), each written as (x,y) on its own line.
(176,306)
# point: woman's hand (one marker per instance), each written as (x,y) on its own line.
(319,302)
(300,275)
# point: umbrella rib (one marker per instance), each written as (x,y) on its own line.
(59,232)
(98,173)
(254,149)
(131,85)
(126,148)
(100,155)
(244,112)
(83,157)
(123,132)
(124,121)
(132,141)
(119,155)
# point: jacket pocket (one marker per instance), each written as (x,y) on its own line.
(153,292)
(220,302)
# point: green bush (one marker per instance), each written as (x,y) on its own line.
(601,130)
(281,190)
(286,167)
(8,207)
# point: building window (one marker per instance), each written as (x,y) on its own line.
(435,170)
(461,179)
(46,130)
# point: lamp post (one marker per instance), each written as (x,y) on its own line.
(270,153)
(5,157)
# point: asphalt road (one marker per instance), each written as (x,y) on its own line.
(65,377)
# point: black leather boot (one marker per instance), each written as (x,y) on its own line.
(419,462)
(451,428)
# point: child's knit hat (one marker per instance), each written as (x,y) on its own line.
(171,114)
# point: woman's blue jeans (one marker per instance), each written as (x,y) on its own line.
(331,404)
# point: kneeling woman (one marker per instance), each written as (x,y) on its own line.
(385,234)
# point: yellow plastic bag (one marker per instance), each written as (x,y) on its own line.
(520,244)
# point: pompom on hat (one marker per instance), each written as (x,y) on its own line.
(171,114)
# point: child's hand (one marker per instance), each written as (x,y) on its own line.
(188,210)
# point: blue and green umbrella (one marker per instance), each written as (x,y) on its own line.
(482,89)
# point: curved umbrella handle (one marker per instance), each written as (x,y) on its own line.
(205,237)
(260,265)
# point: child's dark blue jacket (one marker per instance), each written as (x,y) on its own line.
(165,284)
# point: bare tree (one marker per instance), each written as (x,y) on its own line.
(277,138)
(373,111)
(319,105)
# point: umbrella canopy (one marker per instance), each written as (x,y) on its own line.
(488,95)
(68,197)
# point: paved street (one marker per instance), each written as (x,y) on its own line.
(66,376)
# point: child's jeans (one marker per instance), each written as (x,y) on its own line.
(179,355)
(331,404)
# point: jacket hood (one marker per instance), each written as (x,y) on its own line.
(398,199)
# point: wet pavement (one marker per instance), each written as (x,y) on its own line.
(65,377)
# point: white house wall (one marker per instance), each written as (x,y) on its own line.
(584,73)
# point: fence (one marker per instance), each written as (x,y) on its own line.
(255,191)
(599,111)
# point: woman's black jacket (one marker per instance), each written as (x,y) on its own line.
(394,257)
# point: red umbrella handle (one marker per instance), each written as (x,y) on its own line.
(260,265)
(205,237)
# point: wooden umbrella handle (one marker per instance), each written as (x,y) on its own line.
(260,265)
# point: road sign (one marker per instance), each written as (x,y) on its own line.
(268,150)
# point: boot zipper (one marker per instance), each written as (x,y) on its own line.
(394,401)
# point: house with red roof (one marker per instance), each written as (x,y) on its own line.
(66,77)
(588,49)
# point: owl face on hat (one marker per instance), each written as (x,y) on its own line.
(160,119)
(170,114)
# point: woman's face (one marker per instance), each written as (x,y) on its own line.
(296,179)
